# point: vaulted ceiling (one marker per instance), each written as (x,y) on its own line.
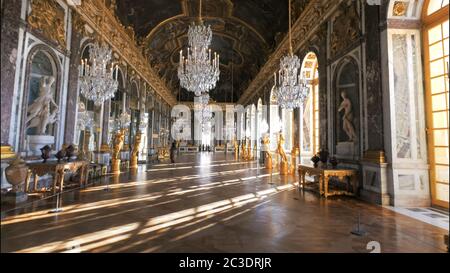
(245,32)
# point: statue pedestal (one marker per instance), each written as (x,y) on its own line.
(345,149)
(14,198)
(36,142)
(115,166)
(134,162)
(284,168)
(268,160)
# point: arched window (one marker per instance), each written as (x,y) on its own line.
(310,115)
(134,111)
(261,122)
(435,47)
(275,122)
(117,106)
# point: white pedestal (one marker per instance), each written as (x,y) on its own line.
(345,149)
(36,142)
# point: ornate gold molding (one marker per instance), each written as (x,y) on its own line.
(400,8)
(315,13)
(105,23)
(6,152)
(374,156)
(47,17)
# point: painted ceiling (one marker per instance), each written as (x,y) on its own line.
(245,32)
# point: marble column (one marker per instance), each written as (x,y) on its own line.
(10,25)
(373,79)
(72,89)
(323,89)
(105,126)
(374,175)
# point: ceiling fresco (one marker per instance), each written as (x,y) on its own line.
(245,32)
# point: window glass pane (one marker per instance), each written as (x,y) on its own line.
(442,192)
(440,120)
(441,137)
(439,102)
(445,29)
(438,85)
(434,34)
(446,47)
(436,51)
(441,155)
(442,173)
(433,6)
(437,68)
(41,65)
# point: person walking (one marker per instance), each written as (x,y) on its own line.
(173,150)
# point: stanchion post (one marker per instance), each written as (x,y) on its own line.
(57,208)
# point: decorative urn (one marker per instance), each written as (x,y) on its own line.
(45,153)
(70,150)
(323,155)
(16,173)
(60,155)
(333,161)
(315,159)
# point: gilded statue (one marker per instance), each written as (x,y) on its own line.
(266,150)
(135,150)
(118,143)
(39,114)
(294,154)
(249,150)
(347,119)
(48,17)
(283,158)
(236,148)
(244,149)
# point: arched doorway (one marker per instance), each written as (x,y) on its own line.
(435,18)
(309,121)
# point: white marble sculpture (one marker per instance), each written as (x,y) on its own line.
(347,119)
(39,113)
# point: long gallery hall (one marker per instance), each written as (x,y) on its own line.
(224,126)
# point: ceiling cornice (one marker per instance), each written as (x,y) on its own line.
(106,24)
(315,13)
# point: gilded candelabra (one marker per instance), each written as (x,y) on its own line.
(119,139)
(236,149)
(294,153)
(244,149)
(135,150)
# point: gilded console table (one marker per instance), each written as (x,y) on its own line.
(57,169)
(324,175)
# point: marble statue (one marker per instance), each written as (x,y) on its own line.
(39,113)
(266,150)
(347,119)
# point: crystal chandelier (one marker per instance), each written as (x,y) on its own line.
(290,88)
(198,71)
(97,82)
